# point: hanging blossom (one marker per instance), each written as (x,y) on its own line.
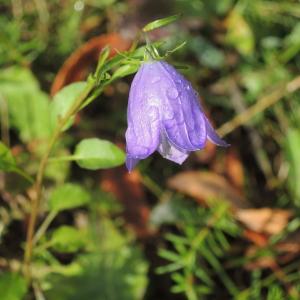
(164,114)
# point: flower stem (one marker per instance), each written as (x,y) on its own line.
(38,185)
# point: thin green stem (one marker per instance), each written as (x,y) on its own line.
(35,202)
(44,226)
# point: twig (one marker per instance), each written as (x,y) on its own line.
(261,105)
(42,229)
(255,138)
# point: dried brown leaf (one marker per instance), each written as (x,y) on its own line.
(264,220)
(207,185)
(77,66)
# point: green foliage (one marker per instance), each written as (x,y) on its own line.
(12,286)
(160,23)
(238,52)
(197,252)
(67,239)
(68,196)
(63,101)
(207,54)
(96,273)
(7,161)
(28,106)
(93,154)
(293,157)
(14,48)
(239,33)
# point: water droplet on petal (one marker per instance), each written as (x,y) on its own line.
(172,93)
(155,79)
(168,114)
(153,113)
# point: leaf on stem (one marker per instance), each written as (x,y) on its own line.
(68,196)
(12,286)
(63,100)
(93,154)
(160,23)
(67,239)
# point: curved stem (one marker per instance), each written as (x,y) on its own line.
(36,200)
(262,104)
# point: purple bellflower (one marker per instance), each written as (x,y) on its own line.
(164,114)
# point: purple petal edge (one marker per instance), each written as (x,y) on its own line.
(131,163)
(213,136)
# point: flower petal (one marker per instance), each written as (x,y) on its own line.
(142,135)
(169,151)
(183,118)
(213,136)
(131,163)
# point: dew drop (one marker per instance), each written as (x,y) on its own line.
(155,79)
(153,113)
(169,114)
(172,93)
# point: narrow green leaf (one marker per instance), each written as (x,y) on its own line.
(160,23)
(93,154)
(219,235)
(7,161)
(176,239)
(68,196)
(202,275)
(169,268)
(169,255)
(102,59)
(124,71)
(12,286)
(177,289)
(292,151)
(178,47)
(213,245)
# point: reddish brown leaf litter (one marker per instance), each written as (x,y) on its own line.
(234,169)
(78,65)
(127,188)
(258,239)
(264,220)
(207,185)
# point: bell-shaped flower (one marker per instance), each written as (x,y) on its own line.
(164,114)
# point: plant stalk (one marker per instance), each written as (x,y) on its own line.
(38,185)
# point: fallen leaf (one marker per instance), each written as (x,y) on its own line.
(291,243)
(128,190)
(77,66)
(264,220)
(261,262)
(258,239)
(207,185)
(234,169)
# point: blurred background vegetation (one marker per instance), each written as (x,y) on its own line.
(224,225)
